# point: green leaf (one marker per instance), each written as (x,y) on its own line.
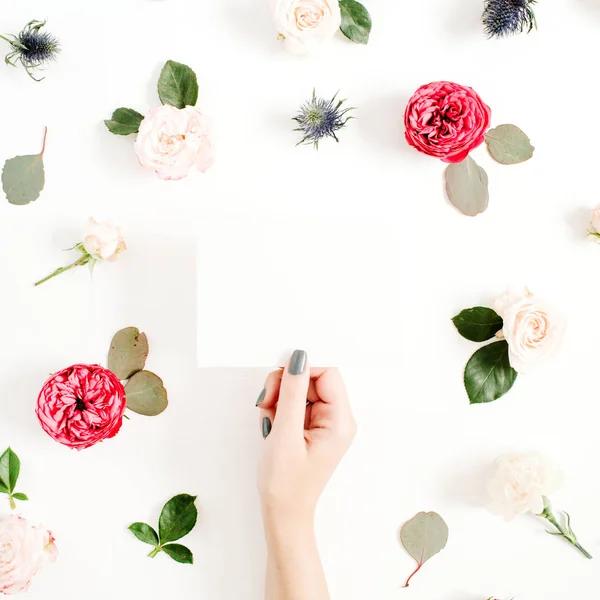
(23,177)
(177,85)
(21,497)
(467,187)
(124,121)
(508,145)
(423,537)
(356,21)
(488,374)
(128,352)
(146,394)
(144,533)
(179,553)
(3,488)
(10,467)
(177,518)
(478,324)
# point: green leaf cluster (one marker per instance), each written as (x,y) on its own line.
(488,374)
(177,86)
(177,519)
(356,21)
(144,390)
(10,469)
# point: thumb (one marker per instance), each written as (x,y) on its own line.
(291,407)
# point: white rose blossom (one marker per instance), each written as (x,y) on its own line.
(532,327)
(305,24)
(103,241)
(24,549)
(172,141)
(521,485)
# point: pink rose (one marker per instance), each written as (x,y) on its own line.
(446,120)
(24,548)
(81,406)
(171,141)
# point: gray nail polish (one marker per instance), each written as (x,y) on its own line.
(261,396)
(266,426)
(297,362)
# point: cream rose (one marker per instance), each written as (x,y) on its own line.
(304,24)
(520,483)
(532,328)
(595,222)
(24,548)
(103,241)
(172,141)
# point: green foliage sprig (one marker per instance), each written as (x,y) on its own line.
(177,519)
(10,469)
(356,21)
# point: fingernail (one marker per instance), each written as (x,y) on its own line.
(261,396)
(297,362)
(266,427)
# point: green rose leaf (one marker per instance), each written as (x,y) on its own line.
(146,394)
(178,85)
(10,468)
(144,533)
(23,177)
(124,121)
(467,187)
(488,374)
(423,537)
(356,21)
(128,352)
(3,488)
(508,145)
(178,518)
(478,324)
(21,497)
(179,553)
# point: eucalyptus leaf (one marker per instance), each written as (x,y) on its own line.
(467,187)
(478,324)
(423,537)
(179,553)
(146,394)
(144,533)
(177,85)
(10,468)
(178,518)
(508,145)
(488,374)
(128,352)
(124,121)
(23,177)
(356,21)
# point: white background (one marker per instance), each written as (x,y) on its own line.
(420,445)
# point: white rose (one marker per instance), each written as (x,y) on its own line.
(103,241)
(519,484)
(24,548)
(171,141)
(304,24)
(595,221)
(532,328)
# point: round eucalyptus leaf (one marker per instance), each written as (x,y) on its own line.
(467,187)
(508,145)
(128,352)
(488,374)
(146,394)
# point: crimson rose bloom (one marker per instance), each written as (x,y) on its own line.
(446,120)
(81,406)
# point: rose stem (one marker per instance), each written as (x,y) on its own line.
(13,505)
(154,552)
(80,261)
(569,536)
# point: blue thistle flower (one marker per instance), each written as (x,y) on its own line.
(319,118)
(32,48)
(508,17)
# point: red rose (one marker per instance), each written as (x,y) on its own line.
(446,120)
(81,406)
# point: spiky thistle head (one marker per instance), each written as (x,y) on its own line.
(32,47)
(319,118)
(508,17)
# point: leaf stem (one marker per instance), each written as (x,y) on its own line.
(155,552)
(13,504)
(44,141)
(83,260)
(567,532)
(413,574)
